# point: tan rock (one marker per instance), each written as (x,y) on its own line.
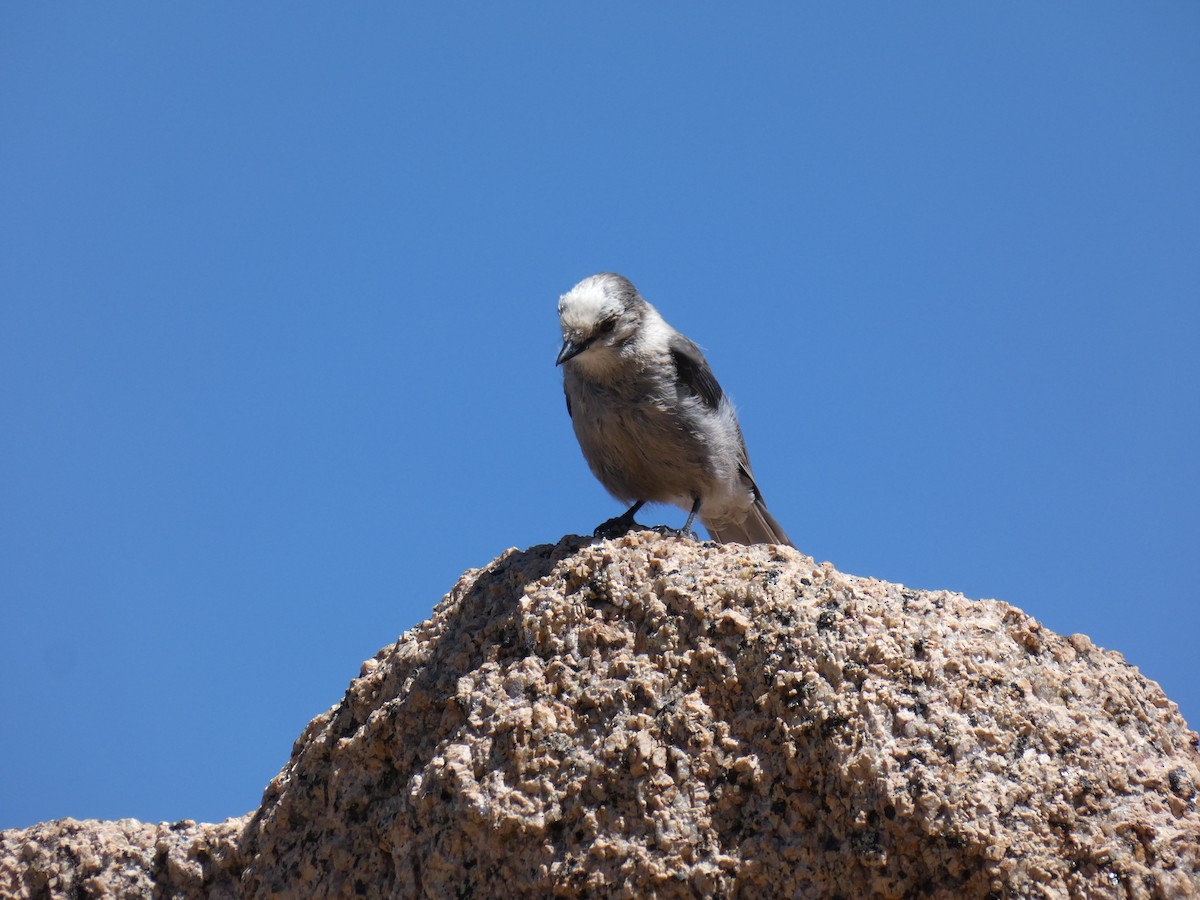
(656,717)
(125,858)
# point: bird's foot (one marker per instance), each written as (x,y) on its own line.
(621,526)
(616,527)
(675,532)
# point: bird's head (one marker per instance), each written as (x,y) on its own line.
(599,316)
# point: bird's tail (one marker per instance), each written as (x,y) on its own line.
(759,527)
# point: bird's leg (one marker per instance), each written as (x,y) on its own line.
(686,530)
(687,526)
(620,525)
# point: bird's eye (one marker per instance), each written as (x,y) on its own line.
(606,326)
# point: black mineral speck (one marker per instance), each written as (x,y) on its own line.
(1181,783)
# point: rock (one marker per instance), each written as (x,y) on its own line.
(655,717)
(126,858)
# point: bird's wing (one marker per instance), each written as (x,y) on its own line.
(747,475)
(693,371)
(567,395)
(695,374)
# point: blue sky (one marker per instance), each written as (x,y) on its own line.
(277,330)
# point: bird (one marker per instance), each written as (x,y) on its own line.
(651,419)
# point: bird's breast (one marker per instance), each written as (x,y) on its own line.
(639,445)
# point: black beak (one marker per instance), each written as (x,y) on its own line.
(569,351)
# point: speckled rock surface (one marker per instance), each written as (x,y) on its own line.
(656,717)
(125,858)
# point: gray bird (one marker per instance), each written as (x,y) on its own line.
(653,424)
